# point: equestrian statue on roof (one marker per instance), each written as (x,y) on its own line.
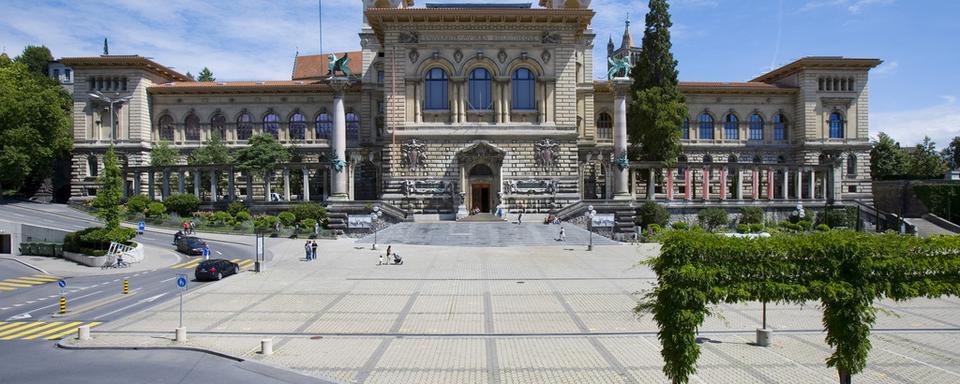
(334,64)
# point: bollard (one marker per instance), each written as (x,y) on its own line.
(181,334)
(763,336)
(126,286)
(266,347)
(83,332)
(63,305)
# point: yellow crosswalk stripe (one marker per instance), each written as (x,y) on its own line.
(10,325)
(31,330)
(41,281)
(23,281)
(184,264)
(49,331)
(20,328)
(190,266)
(6,289)
(69,331)
(6,284)
(246,263)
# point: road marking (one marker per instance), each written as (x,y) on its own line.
(69,331)
(14,285)
(147,300)
(4,326)
(31,301)
(9,331)
(4,308)
(6,289)
(148,238)
(164,281)
(22,334)
(18,305)
(49,331)
(220,253)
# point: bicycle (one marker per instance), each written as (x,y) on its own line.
(116,264)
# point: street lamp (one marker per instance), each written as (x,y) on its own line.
(373,223)
(96,95)
(591,213)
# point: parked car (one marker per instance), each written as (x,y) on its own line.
(191,245)
(215,269)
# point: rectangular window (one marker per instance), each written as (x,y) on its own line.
(380,77)
(380,107)
(56,74)
(852,188)
(67,73)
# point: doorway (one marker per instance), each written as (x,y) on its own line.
(482,183)
(5,246)
(481,196)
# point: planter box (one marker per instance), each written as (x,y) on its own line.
(90,261)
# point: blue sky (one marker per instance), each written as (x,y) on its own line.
(914,93)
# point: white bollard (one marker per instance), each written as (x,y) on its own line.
(763,336)
(83,332)
(181,334)
(266,347)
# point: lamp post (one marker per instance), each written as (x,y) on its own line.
(591,213)
(96,95)
(373,223)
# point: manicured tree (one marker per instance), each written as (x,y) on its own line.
(262,154)
(109,193)
(162,155)
(652,213)
(887,160)
(214,151)
(657,108)
(206,75)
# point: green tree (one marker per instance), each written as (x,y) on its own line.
(924,162)
(162,155)
(652,213)
(657,108)
(106,47)
(189,75)
(262,153)
(887,160)
(34,125)
(951,154)
(713,218)
(5,60)
(37,59)
(109,193)
(214,151)
(206,75)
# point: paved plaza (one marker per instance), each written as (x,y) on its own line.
(485,234)
(536,314)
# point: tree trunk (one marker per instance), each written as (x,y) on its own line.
(845,377)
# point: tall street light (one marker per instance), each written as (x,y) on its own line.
(591,213)
(374,216)
(96,95)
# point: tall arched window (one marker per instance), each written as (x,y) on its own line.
(166,128)
(271,124)
(604,126)
(244,126)
(218,126)
(685,129)
(435,93)
(836,125)
(92,168)
(297,126)
(324,125)
(756,127)
(779,127)
(480,85)
(706,126)
(731,127)
(353,126)
(191,127)
(852,165)
(523,89)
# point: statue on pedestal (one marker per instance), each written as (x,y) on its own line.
(334,64)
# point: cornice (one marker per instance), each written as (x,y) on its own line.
(378,17)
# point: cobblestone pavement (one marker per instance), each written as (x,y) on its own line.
(484,234)
(547,314)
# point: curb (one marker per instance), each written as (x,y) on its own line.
(26,264)
(60,344)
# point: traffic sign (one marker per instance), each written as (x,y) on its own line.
(182,282)
(206,253)
(62,284)
(141,226)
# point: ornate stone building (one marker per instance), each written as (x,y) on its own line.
(455,107)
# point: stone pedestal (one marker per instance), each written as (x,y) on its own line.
(338,182)
(621,172)
(306,185)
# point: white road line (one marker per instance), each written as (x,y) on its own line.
(56,304)
(17,305)
(42,299)
(164,281)
(4,308)
(219,253)
(178,258)
(115,280)
(52,296)
(31,301)
(920,362)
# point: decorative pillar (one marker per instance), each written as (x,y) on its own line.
(824,176)
(165,188)
(417,95)
(286,184)
(213,185)
(266,186)
(669,183)
(180,182)
(150,185)
(813,184)
(769,183)
(786,183)
(687,187)
(231,190)
(306,185)
(799,184)
(723,184)
(652,184)
(621,175)
(497,101)
(136,183)
(339,157)
(507,99)
(196,182)
(739,185)
(755,184)
(706,183)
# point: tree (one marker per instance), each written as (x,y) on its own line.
(109,193)
(162,155)
(206,75)
(262,153)
(652,213)
(214,151)
(657,108)
(924,162)
(37,59)
(106,48)
(887,160)
(34,123)
(951,154)
(713,218)
(5,60)
(189,75)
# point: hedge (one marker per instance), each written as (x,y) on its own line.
(95,241)
(652,213)
(183,204)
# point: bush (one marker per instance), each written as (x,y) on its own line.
(236,207)
(95,241)
(654,228)
(222,218)
(833,218)
(823,227)
(243,216)
(679,225)
(307,225)
(805,224)
(652,213)
(743,228)
(713,218)
(156,209)
(756,228)
(264,223)
(751,215)
(137,204)
(182,204)
(808,214)
(309,211)
(287,219)
(791,226)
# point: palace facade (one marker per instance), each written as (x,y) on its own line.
(454,106)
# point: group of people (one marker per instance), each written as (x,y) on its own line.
(310,248)
(395,257)
(189,227)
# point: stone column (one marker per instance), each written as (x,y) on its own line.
(769,183)
(739,184)
(231,189)
(196,182)
(669,179)
(622,173)
(180,182)
(786,183)
(799,184)
(124,191)
(339,176)
(213,185)
(248,179)
(497,117)
(507,98)
(417,109)
(454,101)
(286,184)
(723,184)
(813,184)
(165,188)
(824,176)
(687,187)
(706,183)
(136,183)
(306,185)
(150,185)
(652,184)
(755,184)
(266,186)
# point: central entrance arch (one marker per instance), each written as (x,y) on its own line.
(481,179)
(480,164)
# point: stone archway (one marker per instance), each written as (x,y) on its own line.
(480,178)
(482,182)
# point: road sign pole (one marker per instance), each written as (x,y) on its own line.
(181,308)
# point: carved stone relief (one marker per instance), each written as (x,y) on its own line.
(502,56)
(550,38)
(408,37)
(547,153)
(414,155)
(426,187)
(458,55)
(414,55)
(531,186)
(545,56)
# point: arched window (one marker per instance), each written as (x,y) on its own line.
(271,124)
(244,126)
(781,160)
(731,127)
(779,127)
(757,159)
(852,165)
(707,159)
(836,125)
(435,94)
(297,126)
(523,89)
(706,126)
(166,128)
(324,125)
(218,125)
(732,159)
(191,128)
(480,85)
(92,168)
(604,126)
(353,126)
(685,129)
(756,127)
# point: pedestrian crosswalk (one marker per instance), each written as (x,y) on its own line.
(244,264)
(38,330)
(26,281)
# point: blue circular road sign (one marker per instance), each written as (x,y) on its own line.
(62,284)
(181,281)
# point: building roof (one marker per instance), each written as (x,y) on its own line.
(268,86)
(711,86)
(817,62)
(314,67)
(377,17)
(124,61)
(479,5)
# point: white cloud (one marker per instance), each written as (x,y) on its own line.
(859,5)
(940,121)
(853,6)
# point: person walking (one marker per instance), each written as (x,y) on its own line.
(520,218)
(316,229)
(563,234)
(308,250)
(313,247)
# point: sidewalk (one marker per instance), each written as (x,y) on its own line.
(154,258)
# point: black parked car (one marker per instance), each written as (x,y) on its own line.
(191,245)
(215,269)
